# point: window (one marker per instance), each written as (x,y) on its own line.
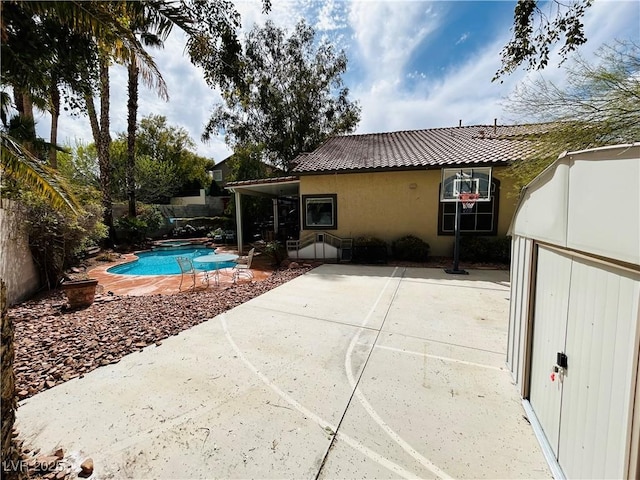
(217,175)
(481,219)
(319,212)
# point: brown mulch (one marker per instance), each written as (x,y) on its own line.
(54,345)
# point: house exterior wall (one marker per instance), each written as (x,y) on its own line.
(192,200)
(389,205)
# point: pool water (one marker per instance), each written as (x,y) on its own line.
(163,262)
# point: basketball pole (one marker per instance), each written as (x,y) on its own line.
(456,247)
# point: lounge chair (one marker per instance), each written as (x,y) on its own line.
(187,268)
(242,267)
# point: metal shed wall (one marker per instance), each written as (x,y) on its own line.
(586,208)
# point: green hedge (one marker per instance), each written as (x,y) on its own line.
(369,250)
(485,249)
(410,248)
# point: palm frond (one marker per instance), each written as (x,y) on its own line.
(20,163)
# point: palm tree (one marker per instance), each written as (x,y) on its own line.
(152,31)
(28,69)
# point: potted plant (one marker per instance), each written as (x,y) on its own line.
(80,291)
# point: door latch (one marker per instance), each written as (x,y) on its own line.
(560,367)
(561,360)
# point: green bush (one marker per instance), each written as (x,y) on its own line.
(134,230)
(369,242)
(58,239)
(369,250)
(410,248)
(485,249)
(276,251)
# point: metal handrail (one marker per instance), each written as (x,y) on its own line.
(323,238)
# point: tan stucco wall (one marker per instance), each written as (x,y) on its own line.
(16,265)
(384,205)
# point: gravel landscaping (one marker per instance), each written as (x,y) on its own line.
(54,345)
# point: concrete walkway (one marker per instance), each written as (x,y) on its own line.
(346,372)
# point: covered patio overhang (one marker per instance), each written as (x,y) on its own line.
(266,187)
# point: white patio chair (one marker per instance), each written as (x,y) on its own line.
(242,268)
(187,268)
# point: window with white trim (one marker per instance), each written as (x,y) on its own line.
(320,212)
(481,219)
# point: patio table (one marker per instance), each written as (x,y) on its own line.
(215,259)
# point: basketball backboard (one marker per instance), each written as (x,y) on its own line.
(465,180)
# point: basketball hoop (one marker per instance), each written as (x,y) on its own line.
(468,200)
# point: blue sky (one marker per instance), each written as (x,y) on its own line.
(412,64)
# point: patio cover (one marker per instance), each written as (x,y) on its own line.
(265,187)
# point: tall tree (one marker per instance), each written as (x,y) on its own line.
(287,94)
(599,105)
(535,32)
(152,30)
(165,162)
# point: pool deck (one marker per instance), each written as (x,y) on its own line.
(168,284)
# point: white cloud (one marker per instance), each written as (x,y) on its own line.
(465,93)
(331,16)
(462,38)
(387,33)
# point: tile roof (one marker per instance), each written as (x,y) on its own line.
(419,149)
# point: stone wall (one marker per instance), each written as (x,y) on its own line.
(16,265)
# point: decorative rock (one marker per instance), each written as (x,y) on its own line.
(59,454)
(293,265)
(48,351)
(86,468)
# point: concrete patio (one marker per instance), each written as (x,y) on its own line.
(345,372)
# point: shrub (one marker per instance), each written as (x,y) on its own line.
(369,242)
(58,238)
(410,248)
(369,250)
(134,230)
(106,257)
(485,249)
(276,251)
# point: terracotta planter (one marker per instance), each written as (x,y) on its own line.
(80,293)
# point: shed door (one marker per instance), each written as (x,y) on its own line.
(553,279)
(598,389)
(589,311)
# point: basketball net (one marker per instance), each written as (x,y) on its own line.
(468,200)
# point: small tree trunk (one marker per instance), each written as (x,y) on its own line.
(132,106)
(55,116)
(11,455)
(24,105)
(102,139)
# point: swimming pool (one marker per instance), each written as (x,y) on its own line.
(163,262)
